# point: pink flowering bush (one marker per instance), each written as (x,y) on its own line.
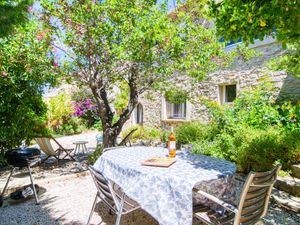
(86,110)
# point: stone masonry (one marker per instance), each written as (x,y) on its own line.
(243,74)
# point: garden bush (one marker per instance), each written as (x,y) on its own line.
(59,110)
(73,125)
(194,131)
(254,132)
(253,148)
(142,133)
(95,155)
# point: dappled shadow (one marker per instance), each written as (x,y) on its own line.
(49,168)
(26,212)
(137,217)
(222,167)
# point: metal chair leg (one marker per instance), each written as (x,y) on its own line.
(118,218)
(120,209)
(11,173)
(33,187)
(92,211)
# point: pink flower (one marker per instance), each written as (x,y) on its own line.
(4,73)
(30,9)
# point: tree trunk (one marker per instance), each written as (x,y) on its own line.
(110,137)
(111,131)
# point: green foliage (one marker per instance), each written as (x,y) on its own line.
(59,110)
(26,65)
(95,155)
(165,136)
(194,131)
(254,131)
(142,133)
(254,148)
(257,19)
(98,126)
(253,107)
(73,125)
(176,96)
(136,43)
(14,13)
(121,99)
(290,114)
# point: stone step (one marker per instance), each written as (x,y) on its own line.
(296,170)
(290,185)
(285,200)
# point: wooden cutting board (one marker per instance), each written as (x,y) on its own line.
(159,161)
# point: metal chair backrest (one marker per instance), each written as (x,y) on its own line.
(255,197)
(127,138)
(45,145)
(105,190)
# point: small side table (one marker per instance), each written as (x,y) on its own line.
(80,146)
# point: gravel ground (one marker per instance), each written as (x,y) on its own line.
(50,168)
(69,201)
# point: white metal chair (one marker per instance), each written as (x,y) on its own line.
(253,203)
(112,196)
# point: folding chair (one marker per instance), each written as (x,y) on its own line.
(47,148)
(126,139)
(112,196)
(253,203)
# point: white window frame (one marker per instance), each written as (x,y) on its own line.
(164,116)
(222,88)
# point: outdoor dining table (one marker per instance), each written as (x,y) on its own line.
(165,193)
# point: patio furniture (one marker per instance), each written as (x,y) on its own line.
(167,193)
(80,146)
(46,146)
(20,158)
(99,139)
(253,203)
(126,139)
(112,196)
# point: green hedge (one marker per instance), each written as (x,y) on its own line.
(194,131)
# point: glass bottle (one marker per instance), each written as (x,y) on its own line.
(172,144)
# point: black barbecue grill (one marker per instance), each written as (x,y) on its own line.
(19,158)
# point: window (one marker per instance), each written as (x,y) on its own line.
(176,111)
(138,114)
(227,93)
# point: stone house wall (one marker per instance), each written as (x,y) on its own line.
(243,74)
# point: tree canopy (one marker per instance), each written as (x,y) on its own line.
(257,19)
(26,65)
(137,43)
(13,13)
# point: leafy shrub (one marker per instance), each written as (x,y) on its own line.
(71,126)
(142,133)
(253,107)
(255,131)
(95,155)
(59,110)
(194,131)
(254,149)
(290,112)
(98,125)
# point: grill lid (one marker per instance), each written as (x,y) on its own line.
(21,157)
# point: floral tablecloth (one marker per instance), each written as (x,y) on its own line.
(165,193)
